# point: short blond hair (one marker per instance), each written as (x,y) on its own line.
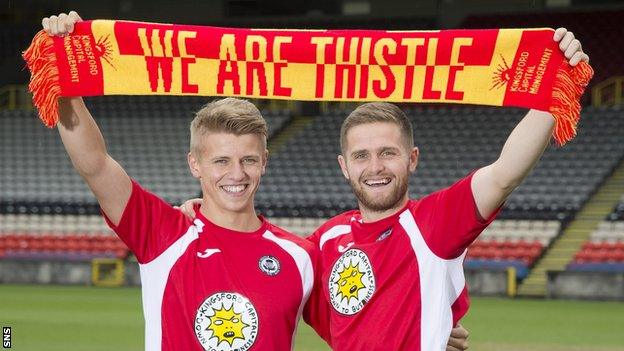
(372,112)
(229,115)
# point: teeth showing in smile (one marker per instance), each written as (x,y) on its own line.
(377,182)
(234,189)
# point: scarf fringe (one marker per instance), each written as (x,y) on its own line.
(569,85)
(44,81)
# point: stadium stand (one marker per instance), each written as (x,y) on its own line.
(53,237)
(604,251)
(303,180)
(147,135)
(303,185)
(46,211)
(75,237)
(46,205)
(515,243)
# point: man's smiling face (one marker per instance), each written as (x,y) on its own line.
(229,168)
(377,162)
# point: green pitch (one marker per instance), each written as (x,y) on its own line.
(87,318)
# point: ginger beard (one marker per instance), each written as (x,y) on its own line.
(389,195)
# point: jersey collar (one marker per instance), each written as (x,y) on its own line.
(210,227)
(374,231)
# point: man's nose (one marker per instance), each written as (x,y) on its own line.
(237,172)
(376,165)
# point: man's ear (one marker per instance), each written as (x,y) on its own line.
(265,160)
(343,166)
(193,165)
(413,159)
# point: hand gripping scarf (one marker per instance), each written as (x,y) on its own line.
(497,67)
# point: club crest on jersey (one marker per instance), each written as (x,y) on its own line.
(351,282)
(269,265)
(226,321)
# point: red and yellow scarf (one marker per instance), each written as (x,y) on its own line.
(497,67)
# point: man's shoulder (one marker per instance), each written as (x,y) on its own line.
(344,218)
(414,204)
(283,234)
(145,206)
(462,184)
(335,226)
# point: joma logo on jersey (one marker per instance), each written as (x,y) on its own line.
(226,322)
(351,282)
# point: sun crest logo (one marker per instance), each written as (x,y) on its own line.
(351,282)
(104,49)
(226,322)
(502,75)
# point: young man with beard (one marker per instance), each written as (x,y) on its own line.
(392,270)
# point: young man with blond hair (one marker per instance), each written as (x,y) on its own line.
(227,280)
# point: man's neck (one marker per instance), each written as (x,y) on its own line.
(369,215)
(244,221)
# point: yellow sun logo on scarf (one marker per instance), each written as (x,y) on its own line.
(227,325)
(350,282)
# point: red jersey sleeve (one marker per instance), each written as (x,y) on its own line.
(449,219)
(148,225)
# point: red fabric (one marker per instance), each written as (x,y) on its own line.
(153,229)
(449,219)
(148,225)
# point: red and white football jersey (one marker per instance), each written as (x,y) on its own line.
(206,287)
(398,283)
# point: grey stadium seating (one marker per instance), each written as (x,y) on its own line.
(304,179)
(147,135)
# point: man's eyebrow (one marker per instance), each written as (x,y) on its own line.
(381,149)
(389,148)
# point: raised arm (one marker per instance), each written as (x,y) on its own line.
(84,142)
(492,184)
